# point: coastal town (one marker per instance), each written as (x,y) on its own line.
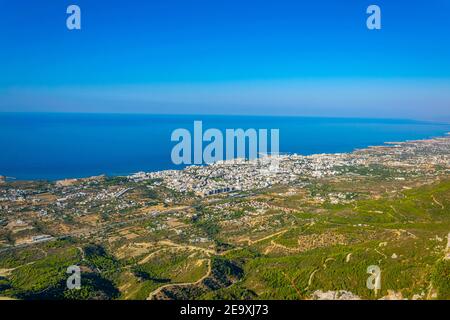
(245,175)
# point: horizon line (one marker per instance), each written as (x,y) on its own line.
(229,115)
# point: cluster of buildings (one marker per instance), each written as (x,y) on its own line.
(412,157)
(13,195)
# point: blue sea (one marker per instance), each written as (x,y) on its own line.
(57,145)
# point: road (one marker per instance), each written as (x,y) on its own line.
(155,292)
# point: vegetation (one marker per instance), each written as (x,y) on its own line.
(283,243)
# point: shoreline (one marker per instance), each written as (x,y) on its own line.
(388,144)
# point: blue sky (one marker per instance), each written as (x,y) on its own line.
(227,56)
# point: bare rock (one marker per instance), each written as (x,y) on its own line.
(334,295)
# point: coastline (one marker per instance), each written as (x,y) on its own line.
(51,147)
(387,144)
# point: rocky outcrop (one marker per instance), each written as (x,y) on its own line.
(334,295)
(393,295)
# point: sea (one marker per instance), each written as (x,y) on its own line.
(53,146)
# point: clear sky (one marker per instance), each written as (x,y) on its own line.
(289,57)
